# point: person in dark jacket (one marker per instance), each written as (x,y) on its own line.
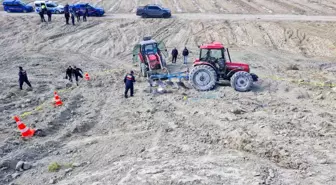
(85,14)
(78,73)
(49,15)
(129,80)
(69,73)
(174,55)
(66,13)
(23,78)
(41,13)
(185,55)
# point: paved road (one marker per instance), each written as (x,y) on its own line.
(204,16)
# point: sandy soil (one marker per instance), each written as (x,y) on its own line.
(282,132)
(300,7)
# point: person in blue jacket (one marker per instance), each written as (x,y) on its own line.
(23,78)
(73,15)
(49,15)
(129,80)
(66,13)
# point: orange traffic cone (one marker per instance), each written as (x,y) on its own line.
(58,101)
(87,77)
(25,131)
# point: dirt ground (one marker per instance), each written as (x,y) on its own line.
(300,7)
(281,133)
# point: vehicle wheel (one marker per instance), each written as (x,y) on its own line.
(57,12)
(203,78)
(144,15)
(24,11)
(165,15)
(8,11)
(241,81)
(143,69)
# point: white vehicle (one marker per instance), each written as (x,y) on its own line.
(53,6)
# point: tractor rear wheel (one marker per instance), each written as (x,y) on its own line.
(143,69)
(242,81)
(203,78)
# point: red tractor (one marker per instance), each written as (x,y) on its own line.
(212,66)
(150,55)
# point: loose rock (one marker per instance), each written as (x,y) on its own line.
(26,166)
(271,173)
(68,170)
(15,175)
(238,111)
(19,166)
(52,181)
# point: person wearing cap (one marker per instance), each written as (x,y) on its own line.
(41,13)
(129,80)
(23,78)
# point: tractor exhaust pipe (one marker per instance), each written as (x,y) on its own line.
(227,49)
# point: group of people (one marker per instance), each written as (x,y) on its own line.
(74,13)
(77,72)
(74,72)
(185,54)
(43,11)
(70,73)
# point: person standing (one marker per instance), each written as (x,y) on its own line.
(129,80)
(78,73)
(73,15)
(185,54)
(78,15)
(174,55)
(42,16)
(66,13)
(49,15)
(69,73)
(86,13)
(23,78)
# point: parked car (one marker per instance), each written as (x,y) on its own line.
(16,6)
(92,11)
(53,6)
(155,11)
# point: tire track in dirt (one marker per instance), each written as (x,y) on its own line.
(195,3)
(136,4)
(269,36)
(219,6)
(291,6)
(116,6)
(248,6)
(177,6)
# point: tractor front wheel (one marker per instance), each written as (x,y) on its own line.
(242,81)
(143,69)
(203,78)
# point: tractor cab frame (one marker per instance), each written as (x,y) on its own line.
(151,57)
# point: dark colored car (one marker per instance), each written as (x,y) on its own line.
(154,11)
(92,11)
(16,6)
